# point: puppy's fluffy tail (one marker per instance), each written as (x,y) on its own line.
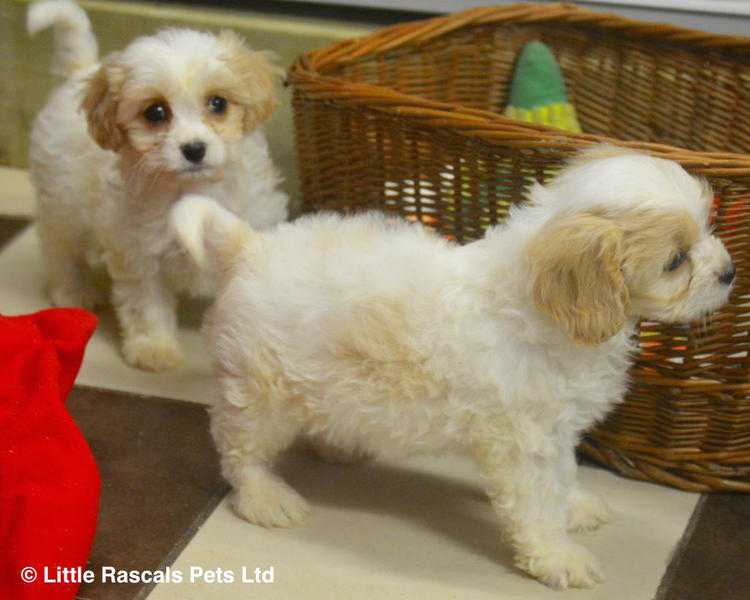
(75,44)
(211,235)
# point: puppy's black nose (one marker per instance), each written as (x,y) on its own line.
(727,276)
(194,151)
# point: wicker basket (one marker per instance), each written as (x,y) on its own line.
(408,120)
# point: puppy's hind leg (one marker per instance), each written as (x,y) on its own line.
(63,251)
(250,432)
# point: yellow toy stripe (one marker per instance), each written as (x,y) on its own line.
(561,115)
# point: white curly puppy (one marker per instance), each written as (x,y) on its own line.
(119,142)
(376,336)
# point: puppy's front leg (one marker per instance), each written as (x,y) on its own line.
(586,510)
(529,492)
(147,310)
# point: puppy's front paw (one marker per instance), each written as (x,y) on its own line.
(272,504)
(562,566)
(152,353)
(587,511)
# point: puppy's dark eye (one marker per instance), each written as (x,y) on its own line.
(156,113)
(675,263)
(217,104)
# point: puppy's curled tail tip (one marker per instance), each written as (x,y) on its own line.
(210,234)
(63,13)
(75,45)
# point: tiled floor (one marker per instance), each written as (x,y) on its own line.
(160,479)
(419,529)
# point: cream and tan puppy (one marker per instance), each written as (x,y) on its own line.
(119,142)
(372,335)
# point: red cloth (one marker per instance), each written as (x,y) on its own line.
(49,482)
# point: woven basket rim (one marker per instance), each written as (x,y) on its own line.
(308,72)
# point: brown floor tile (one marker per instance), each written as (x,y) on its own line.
(10,227)
(712,560)
(160,481)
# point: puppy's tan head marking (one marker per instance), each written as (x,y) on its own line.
(226,117)
(592,270)
(102,94)
(577,278)
(656,238)
(657,256)
(176,103)
(255,78)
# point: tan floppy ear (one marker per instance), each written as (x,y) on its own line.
(100,100)
(256,77)
(576,276)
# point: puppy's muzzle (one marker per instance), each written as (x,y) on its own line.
(194,151)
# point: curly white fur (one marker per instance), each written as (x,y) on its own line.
(372,335)
(108,200)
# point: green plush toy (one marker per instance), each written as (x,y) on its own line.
(537,94)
